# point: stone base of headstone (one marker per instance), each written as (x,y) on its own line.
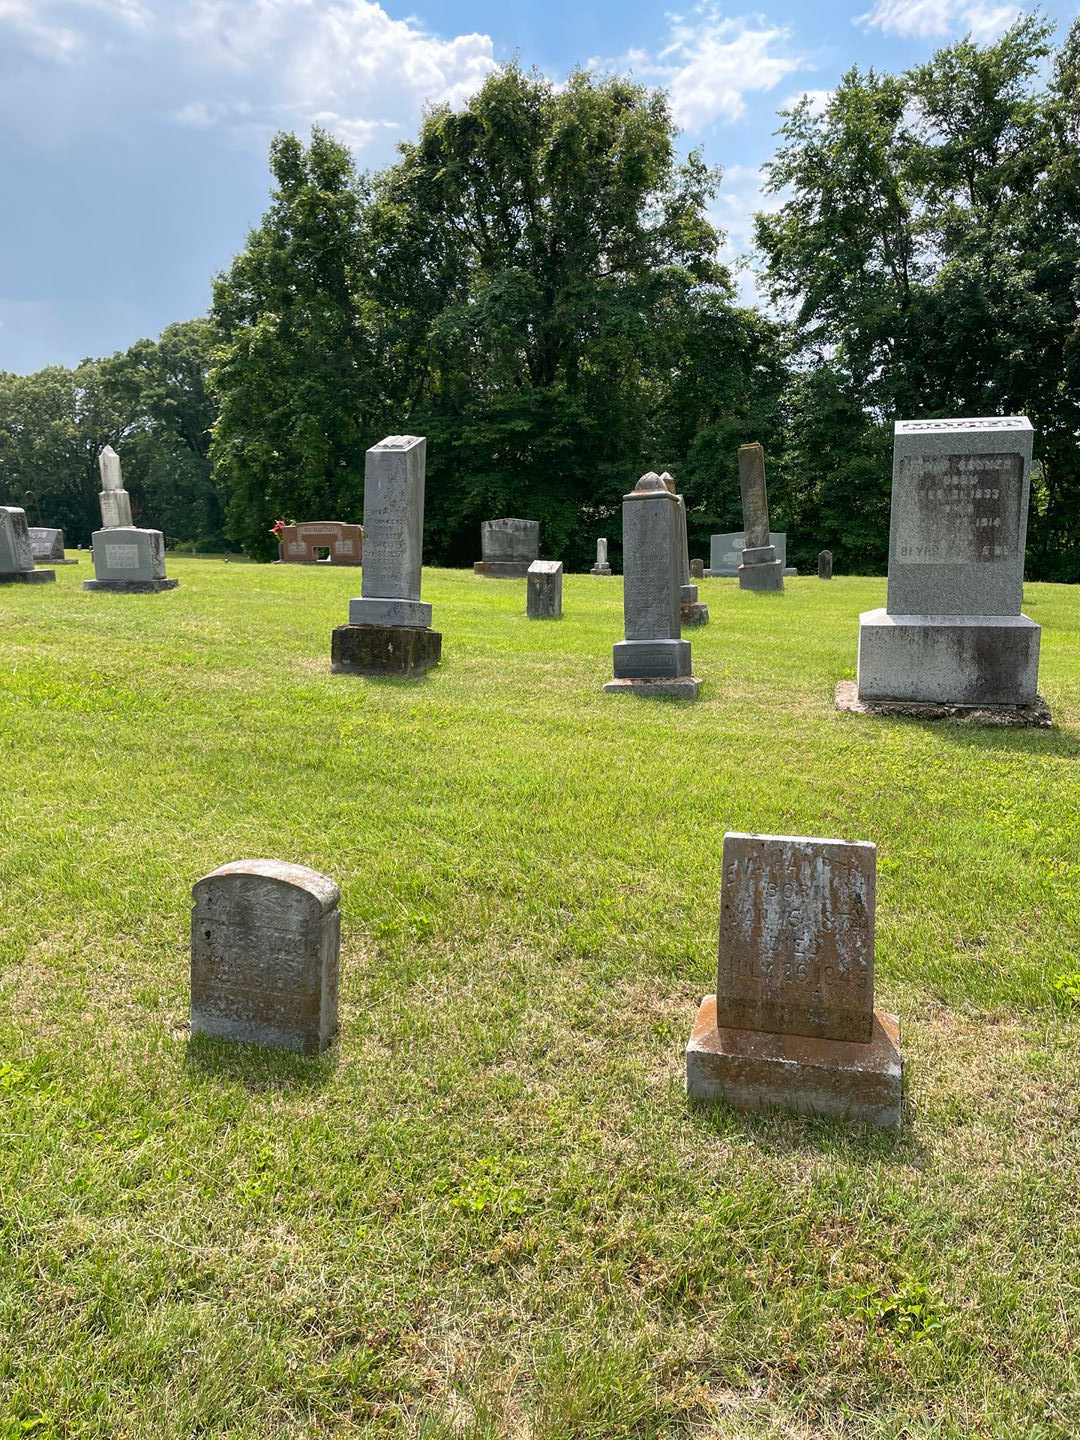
(1036,714)
(65,561)
(502,569)
(948,659)
(760,569)
(680,687)
(757,1070)
(372,610)
(404,650)
(600,570)
(651,659)
(694,615)
(131,587)
(27,577)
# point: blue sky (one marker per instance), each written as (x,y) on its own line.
(133,133)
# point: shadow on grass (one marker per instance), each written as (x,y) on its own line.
(259,1069)
(1032,739)
(782,1132)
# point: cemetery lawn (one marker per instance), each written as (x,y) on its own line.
(490,1212)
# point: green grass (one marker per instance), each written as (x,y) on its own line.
(490,1212)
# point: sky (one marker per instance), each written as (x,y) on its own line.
(134,133)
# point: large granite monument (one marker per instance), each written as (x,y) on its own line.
(16,552)
(304,543)
(952,632)
(759,569)
(509,547)
(389,630)
(544,597)
(653,659)
(691,611)
(265,940)
(127,558)
(47,545)
(792,1022)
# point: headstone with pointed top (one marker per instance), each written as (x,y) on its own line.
(114,499)
(691,611)
(16,552)
(759,568)
(389,630)
(601,567)
(653,659)
(792,1022)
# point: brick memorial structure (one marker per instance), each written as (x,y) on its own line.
(952,634)
(127,558)
(653,659)
(759,569)
(265,942)
(389,630)
(47,545)
(16,552)
(509,547)
(544,593)
(300,544)
(792,1022)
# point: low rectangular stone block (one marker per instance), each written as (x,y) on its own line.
(368,610)
(132,587)
(544,597)
(128,554)
(693,616)
(948,659)
(725,551)
(761,577)
(402,650)
(759,555)
(27,577)
(756,1070)
(265,941)
(682,687)
(650,659)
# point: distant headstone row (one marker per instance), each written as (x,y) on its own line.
(16,552)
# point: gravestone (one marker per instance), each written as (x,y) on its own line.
(952,632)
(265,938)
(824,565)
(47,546)
(129,561)
(544,600)
(653,659)
(389,630)
(759,569)
(697,569)
(691,611)
(601,567)
(792,1022)
(16,552)
(114,499)
(509,547)
(344,543)
(725,552)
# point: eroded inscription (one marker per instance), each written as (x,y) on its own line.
(959,509)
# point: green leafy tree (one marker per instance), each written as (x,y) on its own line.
(294,371)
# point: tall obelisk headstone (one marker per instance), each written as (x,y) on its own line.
(16,551)
(389,630)
(653,659)
(759,569)
(792,1022)
(952,632)
(127,558)
(691,611)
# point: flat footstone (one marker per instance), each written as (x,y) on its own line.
(131,587)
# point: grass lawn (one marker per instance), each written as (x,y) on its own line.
(490,1212)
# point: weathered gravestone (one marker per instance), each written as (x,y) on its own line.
(47,546)
(824,565)
(691,611)
(601,567)
(509,547)
(114,499)
(952,632)
(759,568)
(129,560)
(301,544)
(265,938)
(544,601)
(16,552)
(697,569)
(653,659)
(389,630)
(792,1022)
(725,552)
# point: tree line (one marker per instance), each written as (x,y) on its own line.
(536,285)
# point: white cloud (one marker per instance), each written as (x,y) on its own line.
(819,100)
(711,62)
(44,37)
(924,18)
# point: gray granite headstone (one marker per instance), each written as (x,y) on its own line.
(47,545)
(697,569)
(114,499)
(759,568)
(16,551)
(393,535)
(824,565)
(725,551)
(509,546)
(544,600)
(129,558)
(265,940)
(952,632)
